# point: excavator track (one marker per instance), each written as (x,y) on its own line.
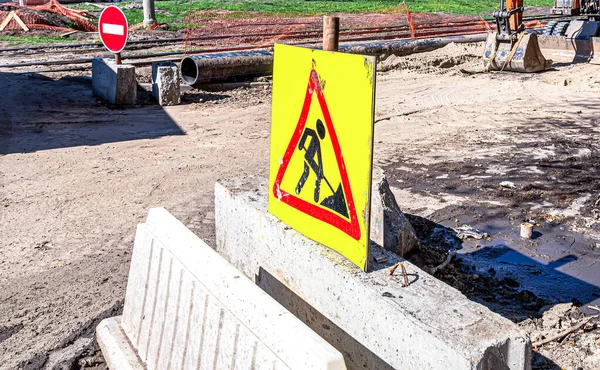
(560,28)
(549,27)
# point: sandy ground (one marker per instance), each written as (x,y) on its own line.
(77,176)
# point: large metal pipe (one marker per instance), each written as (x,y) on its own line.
(198,70)
(401,47)
(405,47)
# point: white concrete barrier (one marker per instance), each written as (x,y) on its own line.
(115,346)
(188,308)
(374,321)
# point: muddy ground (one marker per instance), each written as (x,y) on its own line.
(78,175)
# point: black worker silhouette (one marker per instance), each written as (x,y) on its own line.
(336,201)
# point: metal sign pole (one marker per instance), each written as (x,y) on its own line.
(149,13)
(118,58)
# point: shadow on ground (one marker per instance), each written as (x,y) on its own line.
(38,113)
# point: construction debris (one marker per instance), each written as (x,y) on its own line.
(49,16)
(508,184)
(443,265)
(465,232)
(563,337)
(564,333)
(526,230)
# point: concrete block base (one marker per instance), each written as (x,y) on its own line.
(369,317)
(114,83)
(165,83)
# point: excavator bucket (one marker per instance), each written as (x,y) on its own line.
(568,50)
(524,56)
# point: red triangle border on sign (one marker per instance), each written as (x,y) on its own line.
(352,227)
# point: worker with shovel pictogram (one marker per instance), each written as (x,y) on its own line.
(336,201)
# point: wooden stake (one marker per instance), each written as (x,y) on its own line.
(20,22)
(331,33)
(96,5)
(118,58)
(68,33)
(13,15)
(6,21)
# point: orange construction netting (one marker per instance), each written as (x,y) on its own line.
(50,16)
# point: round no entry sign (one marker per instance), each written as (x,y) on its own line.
(112,26)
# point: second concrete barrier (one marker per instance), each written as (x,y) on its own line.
(369,317)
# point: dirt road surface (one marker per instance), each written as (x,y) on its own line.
(76,176)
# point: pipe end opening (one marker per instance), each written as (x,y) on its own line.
(189,71)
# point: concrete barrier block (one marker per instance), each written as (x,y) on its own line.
(369,317)
(114,83)
(115,346)
(187,308)
(165,83)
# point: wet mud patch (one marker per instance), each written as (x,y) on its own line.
(505,279)
(483,284)
(552,183)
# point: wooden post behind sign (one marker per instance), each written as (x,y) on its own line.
(118,58)
(331,33)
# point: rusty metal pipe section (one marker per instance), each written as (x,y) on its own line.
(199,70)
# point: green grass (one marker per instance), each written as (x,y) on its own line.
(84,6)
(312,7)
(177,9)
(33,40)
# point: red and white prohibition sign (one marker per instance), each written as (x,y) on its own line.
(113,29)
